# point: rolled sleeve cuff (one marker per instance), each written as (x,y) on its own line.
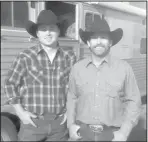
(14,100)
(126,128)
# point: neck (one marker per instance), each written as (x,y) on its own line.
(52,48)
(97,59)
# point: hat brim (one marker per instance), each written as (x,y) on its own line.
(32,27)
(115,35)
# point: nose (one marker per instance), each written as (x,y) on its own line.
(48,31)
(98,41)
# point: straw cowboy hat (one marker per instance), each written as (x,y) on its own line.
(98,26)
(46,17)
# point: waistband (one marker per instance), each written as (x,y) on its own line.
(97,128)
(50,116)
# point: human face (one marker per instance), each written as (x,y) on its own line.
(48,34)
(100,44)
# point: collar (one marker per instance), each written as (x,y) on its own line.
(106,59)
(40,48)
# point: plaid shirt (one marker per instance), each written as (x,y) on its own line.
(39,85)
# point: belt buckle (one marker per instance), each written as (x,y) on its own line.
(96,128)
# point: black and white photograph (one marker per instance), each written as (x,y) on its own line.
(73,70)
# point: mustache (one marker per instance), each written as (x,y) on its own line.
(99,45)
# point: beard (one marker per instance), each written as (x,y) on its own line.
(103,54)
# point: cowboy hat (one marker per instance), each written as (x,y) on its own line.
(99,26)
(46,17)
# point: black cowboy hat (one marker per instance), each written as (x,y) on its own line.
(46,17)
(98,26)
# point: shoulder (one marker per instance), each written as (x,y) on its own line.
(82,63)
(121,63)
(69,53)
(29,52)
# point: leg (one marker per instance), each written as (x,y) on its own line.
(58,132)
(86,133)
(106,135)
(30,133)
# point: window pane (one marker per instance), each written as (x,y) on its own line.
(96,17)
(20,14)
(88,21)
(6,14)
(143,49)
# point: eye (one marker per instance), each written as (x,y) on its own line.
(42,28)
(104,37)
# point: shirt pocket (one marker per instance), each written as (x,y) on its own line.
(63,75)
(112,88)
(35,75)
(83,88)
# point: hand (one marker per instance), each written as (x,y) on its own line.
(118,136)
(64,119)
(25,117)
(73,132)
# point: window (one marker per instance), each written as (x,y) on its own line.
(144,21)
(66,16)
(6,14)
(143,49)
(14,14)
(89,19)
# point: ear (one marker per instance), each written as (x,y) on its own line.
(88,43)
(37,33)
(110,43)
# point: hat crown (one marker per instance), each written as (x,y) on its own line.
(47,17)
(99,25)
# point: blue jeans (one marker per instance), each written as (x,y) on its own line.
(48,129)
(88,134)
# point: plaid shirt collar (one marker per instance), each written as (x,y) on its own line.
(39,49)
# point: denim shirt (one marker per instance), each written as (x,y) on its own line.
(108,94)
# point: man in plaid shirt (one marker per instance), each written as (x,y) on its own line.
(37,82)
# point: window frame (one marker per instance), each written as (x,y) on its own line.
(12,27)
(92,12)
(143,50)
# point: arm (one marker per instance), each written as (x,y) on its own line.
(133,103)
(71,61)
(13,81)
(71,100)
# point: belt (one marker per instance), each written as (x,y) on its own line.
(99,128)
(96,128)
(51,116)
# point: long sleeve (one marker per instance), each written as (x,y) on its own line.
(71,99)
(71,62)
(14,80)
(133,103)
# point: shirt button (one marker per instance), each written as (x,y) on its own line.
(96,106)
(96,118)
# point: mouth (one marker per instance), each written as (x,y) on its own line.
(99,47)
(48,38)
